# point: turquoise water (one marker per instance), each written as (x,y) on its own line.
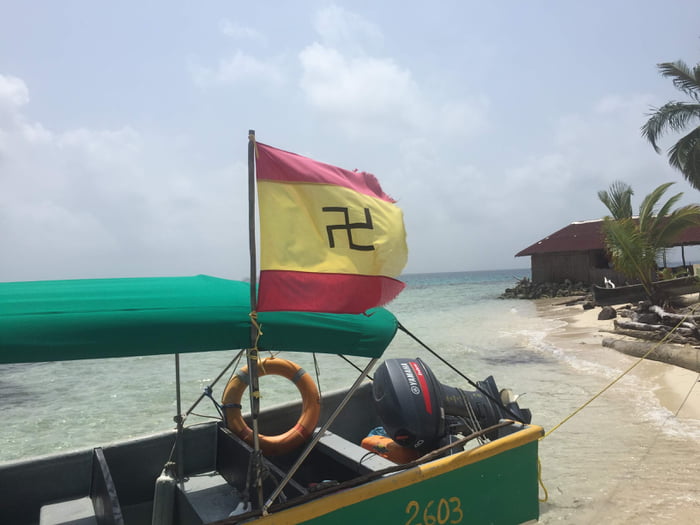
(51,407)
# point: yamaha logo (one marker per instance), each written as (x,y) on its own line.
(411,378)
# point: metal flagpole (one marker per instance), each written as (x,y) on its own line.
(252,354)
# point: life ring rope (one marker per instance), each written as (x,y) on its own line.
(295,436)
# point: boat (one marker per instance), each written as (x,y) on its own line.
(668,288)
(397,446)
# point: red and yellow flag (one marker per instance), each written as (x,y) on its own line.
(331,239)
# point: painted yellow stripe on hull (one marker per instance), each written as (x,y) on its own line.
(294,236)
(400,480)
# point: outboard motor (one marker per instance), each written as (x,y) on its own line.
(418,411)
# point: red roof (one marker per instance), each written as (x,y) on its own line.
(587,235)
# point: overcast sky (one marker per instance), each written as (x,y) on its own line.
(123,125)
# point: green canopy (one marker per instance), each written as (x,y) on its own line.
(99,318)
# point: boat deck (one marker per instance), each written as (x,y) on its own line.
(116,483)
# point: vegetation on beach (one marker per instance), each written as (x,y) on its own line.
(635,244)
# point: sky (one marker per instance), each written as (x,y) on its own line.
(123,125)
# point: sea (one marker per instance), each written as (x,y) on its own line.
(625,458)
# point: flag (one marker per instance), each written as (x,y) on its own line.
(331,239)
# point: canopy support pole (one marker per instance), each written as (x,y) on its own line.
(180,429)
(317,437)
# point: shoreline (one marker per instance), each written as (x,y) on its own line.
(644,475)
(676,388)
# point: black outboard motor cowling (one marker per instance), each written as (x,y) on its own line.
(409,402)
(418,411)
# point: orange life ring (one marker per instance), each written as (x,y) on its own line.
(295,436)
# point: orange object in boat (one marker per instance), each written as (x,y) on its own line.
(388,448)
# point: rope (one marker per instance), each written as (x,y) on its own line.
(488,396)
(251,137)
(258,327)
(252,353)
(697,379)
(539,480)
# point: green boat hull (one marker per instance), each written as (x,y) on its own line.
(496,483)
(498,490)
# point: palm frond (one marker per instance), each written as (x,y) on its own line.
(667,231)
(667,206)
(684,155)
(684,78)
(672,115)
(618,199)
(648,206)
(674,224)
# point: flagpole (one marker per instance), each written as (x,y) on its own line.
(252,354)
(251,229)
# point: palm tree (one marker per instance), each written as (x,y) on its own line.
(684,155)
(634,243)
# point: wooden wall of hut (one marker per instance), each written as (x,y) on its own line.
(584,266)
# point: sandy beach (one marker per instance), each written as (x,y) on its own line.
(672,385)
(659,481)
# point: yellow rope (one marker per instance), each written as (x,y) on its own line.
(539,479)
(253,352)
(695,382)
(258,327)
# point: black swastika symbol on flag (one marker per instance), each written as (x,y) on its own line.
(348,227)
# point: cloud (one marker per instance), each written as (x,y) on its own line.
(13,92)
(238,32)
(341,28)
(87,203)
(238,69)
(475,213)
(348,86)
(363,93)
(377,98)
(478,177)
